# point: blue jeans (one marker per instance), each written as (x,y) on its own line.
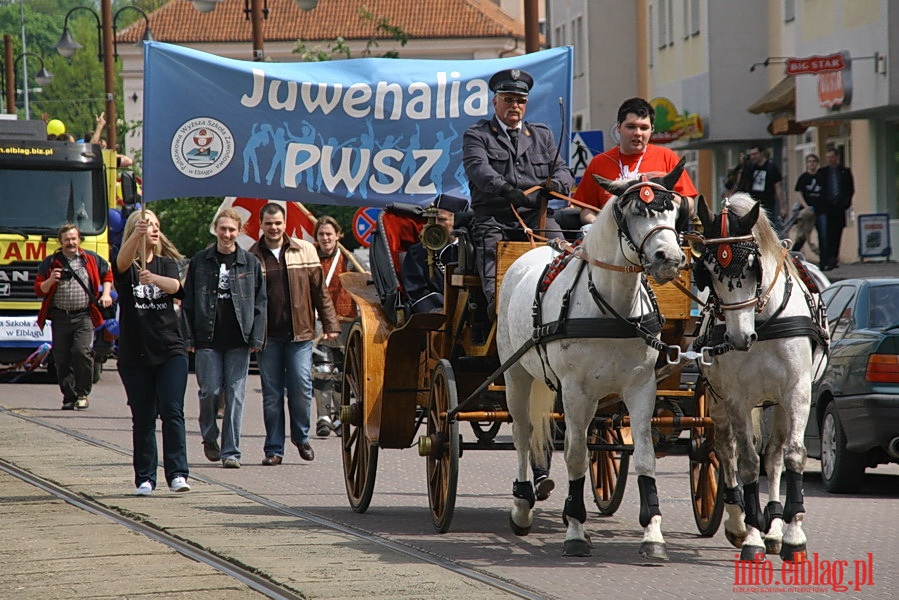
(222,372)
(285,364)
(157,390)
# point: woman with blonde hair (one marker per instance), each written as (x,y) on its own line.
(225,308)
(152,356)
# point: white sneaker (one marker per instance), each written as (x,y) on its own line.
(144,489)
(179,484)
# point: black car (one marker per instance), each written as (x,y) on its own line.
(854,418)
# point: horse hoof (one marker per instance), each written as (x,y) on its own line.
(575,547)
(752,553)
(518,529)
(654,550)
(793,553)
(735,539)
(773,545)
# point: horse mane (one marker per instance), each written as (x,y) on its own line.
(595,242)
(769,243)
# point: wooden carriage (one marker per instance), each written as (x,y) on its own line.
(406,374)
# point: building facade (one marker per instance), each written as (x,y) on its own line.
(721,68)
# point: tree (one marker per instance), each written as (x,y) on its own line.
(340,47)
(186,221)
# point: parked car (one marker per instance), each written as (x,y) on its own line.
(854,419)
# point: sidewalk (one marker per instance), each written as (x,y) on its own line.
(867,269)
(52,549)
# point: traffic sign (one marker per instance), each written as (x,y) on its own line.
(584,146)
(364,222)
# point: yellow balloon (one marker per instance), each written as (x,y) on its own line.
(56,127)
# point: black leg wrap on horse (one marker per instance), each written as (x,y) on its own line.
(574,503)
(752,509)
(734,495)
(525,491)
(773,510)
(795,496)
(649,499)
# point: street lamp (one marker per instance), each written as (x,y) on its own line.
(107,52)
(43,76)
(256,11)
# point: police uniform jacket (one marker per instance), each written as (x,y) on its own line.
(490,160)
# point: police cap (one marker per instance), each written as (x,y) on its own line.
(511,81)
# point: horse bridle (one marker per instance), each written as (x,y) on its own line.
(645,188)
(712,249)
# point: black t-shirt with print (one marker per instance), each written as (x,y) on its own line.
(227,329)
(148,324)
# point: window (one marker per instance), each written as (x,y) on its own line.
(694,17)
(664,32)
(577,30)
(789,11)
(691,18)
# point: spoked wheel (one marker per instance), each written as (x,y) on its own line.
(708,501)
(360,455)
(608,468)
(441,447)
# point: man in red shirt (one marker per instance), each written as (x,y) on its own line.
(632,157)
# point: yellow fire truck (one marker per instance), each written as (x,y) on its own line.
(44,184)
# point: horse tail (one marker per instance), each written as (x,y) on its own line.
(542,402)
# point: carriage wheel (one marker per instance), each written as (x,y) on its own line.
(608,468)
(708,499)
(360,456)
(443,460)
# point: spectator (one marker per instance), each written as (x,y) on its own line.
(327,359)
(503,156)
(838,187)
(152,357)
(632,157)
(295,288)
(225,308)
(809,199)
(68,281)
(762,180)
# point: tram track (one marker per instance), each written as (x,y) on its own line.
(245,574)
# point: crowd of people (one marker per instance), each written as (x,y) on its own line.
(282,300)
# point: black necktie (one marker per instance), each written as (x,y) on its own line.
(513,135)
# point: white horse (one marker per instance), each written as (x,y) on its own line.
(764,339)
(604,288)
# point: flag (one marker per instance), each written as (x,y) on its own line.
(300,222)
(358,132)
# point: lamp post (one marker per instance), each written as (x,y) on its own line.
(256,11)
(43,76)
(107,52)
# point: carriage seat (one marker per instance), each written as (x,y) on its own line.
(399,227)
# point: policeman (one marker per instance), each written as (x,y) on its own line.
(503,156)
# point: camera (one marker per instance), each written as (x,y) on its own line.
(66,275)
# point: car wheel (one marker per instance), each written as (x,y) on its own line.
(842,471)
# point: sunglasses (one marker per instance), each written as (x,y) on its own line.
(515,99)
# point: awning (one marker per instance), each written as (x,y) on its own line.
(780,98)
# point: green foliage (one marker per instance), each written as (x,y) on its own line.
(186,221)
(340,48)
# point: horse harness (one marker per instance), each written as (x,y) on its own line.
(646,327)
(730,255)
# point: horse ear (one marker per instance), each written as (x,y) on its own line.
(705,217)
(748,220)
(616,188)
(671,178)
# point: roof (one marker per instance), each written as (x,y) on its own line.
(179,22)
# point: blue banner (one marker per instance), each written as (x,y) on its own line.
(358,132)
